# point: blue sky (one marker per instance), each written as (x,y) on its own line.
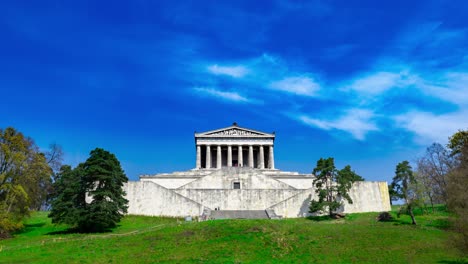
(366,82)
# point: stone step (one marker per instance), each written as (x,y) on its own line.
(238,214)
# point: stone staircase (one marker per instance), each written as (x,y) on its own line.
(239,214)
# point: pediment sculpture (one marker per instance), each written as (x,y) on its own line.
(234,132)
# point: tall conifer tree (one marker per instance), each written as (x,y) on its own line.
(402,182)
(91,197)
(332,186)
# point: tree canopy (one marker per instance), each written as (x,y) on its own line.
(457,141)
(332,186)
(90,197)
(457,196)
(24,178)
(402,182)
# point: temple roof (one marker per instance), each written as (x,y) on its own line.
(234,131)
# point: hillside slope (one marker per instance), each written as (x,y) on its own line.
(358,239)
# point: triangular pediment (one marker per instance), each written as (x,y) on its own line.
(234,131)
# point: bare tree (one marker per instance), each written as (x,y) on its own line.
(433,170)
(426,184)
(54,157)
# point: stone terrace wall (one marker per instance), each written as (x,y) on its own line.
(228,199)
(148,198)
(295,206)
(248,178)
(368,196)
(170,183)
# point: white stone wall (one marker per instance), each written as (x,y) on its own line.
(248,178)
(368,196)
(298,183)
(238,199)
(295,206)
(148,198)
(287,196)
(170,183)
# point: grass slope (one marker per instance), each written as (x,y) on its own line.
(356,239)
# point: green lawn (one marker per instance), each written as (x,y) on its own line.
(357,239)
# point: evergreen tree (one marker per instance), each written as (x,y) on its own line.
(90,197)
(67,203)
(402,182)
(104,178)
(332,186)
(393,194)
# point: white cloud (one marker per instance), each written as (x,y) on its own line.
(301,85)
(357,122)
(231,96)
(266,72)
(381,81)
(363,98)
(451,87)
(429,127)
(232,71)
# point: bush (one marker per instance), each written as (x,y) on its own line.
(384,217)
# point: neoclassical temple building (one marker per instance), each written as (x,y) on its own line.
(227,147)
(235,177)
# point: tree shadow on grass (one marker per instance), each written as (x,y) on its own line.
(29,227)
(320,218)
(78,231)
(443,224)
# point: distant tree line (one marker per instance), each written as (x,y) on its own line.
(441,176)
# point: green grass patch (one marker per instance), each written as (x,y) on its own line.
(358,238)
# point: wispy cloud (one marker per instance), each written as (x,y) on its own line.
(301,85)
(429,127)
(357,122)
(451,87)
(265,72)
(362,98)
(400,91)
(375,83)
(230,96)
(233,71)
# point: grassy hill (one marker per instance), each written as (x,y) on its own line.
(356,239)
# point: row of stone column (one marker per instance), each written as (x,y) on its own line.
(240,158)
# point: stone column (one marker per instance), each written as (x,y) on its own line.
(251,159)
(229,156)
(240,158)
(208,157)
(198,165)
(218,157)
(271,159)
(261,162)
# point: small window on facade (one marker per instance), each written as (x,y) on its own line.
(236,185)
